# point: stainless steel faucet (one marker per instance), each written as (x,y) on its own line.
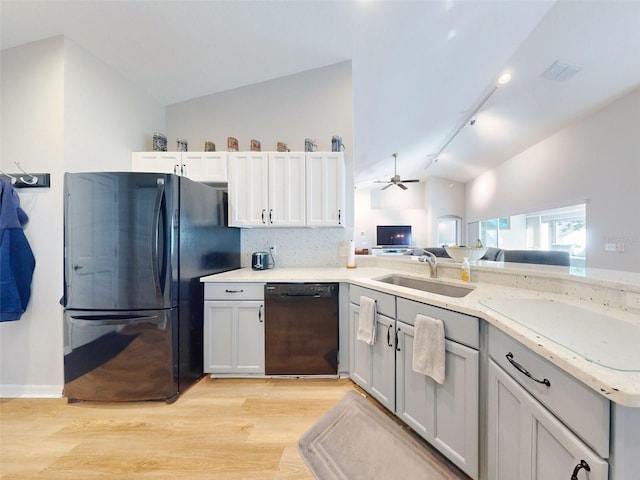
(431,259)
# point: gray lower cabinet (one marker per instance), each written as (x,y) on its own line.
(234,329)
(542,423)
(372,366)
(445,415)
(527,442)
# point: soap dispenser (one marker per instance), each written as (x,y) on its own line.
(465,274)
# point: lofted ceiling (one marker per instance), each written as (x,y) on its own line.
(419,67)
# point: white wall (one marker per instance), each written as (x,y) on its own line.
(32,129)
(62,109)
(419,206)
(597,160)
(313,104)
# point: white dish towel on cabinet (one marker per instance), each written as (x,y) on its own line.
(367,320)
(428,347)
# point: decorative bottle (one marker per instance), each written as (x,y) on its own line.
(465,274)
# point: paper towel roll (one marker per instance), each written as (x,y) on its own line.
(351,258)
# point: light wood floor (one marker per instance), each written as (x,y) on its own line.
(220,428)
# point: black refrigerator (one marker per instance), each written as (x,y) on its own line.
(135,246)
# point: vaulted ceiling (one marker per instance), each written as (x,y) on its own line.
(420,68)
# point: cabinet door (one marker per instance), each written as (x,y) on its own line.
(207,167)
(373,366)
(359,352)
(287,189)
(248,194)
(156,162)
(445,415)
(325,189)
(525,441)
(218,333)
(249,341)
(234,337)
(383,363)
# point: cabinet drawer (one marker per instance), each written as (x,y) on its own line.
(583,410)
(458,327)
(386,303)
(233,291)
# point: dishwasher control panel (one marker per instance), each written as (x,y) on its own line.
(318,290)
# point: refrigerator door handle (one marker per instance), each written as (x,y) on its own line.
(158,234)
(96,321)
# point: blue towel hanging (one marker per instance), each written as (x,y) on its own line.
(16,257)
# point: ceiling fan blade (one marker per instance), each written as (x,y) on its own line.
(401,186)
(413,180)
(384,188)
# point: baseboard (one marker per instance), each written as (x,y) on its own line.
(31,391)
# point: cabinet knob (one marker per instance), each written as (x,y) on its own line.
(581,465)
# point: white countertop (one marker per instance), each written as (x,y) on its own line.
(622,387)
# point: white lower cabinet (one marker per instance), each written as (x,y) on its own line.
(234,330)
(526,442)
(445,415)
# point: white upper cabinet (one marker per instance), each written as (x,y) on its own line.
(206,167)
(156,162)
(248,189)
(325,189)
(287,189)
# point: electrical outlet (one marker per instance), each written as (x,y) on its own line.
(633,300)
(614,247)
(273,251)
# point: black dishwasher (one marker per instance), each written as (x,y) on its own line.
(301,328)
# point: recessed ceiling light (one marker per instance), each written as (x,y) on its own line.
(504,78)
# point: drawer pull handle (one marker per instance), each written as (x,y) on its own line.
(582,464)
(260,315)
(389,336)
(233,291)
(524,371)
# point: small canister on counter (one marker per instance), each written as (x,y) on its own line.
(159,142)
(183,145)
(209,146)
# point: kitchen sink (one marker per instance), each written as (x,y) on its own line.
(445,289)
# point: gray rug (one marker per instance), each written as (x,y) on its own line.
(356,440)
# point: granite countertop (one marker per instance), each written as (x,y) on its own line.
(595,300)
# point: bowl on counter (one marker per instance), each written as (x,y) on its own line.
(472,253)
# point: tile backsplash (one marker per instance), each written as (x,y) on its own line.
(297,247)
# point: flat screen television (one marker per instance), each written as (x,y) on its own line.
(393,235)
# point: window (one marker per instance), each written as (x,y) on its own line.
(563,229)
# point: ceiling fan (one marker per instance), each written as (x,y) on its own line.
(396,180)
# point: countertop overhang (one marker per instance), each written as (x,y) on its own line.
(621,387)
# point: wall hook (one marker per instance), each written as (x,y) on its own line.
(12,179)
(32,178)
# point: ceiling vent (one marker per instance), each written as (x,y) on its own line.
(560,71)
